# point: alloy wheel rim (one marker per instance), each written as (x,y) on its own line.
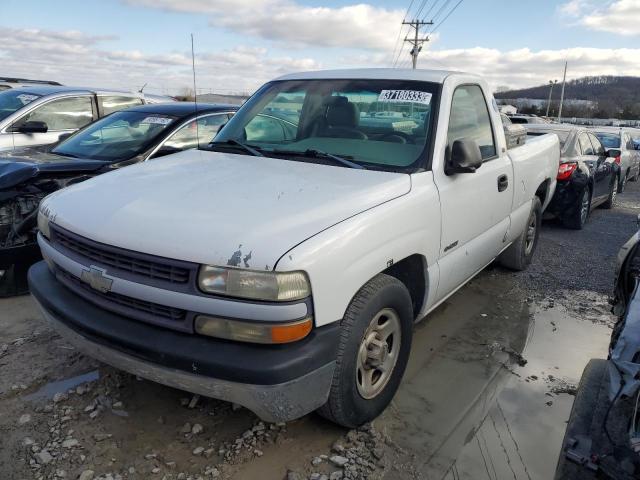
(378,353)
(584,210)
(614,194)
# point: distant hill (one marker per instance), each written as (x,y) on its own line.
(614,95)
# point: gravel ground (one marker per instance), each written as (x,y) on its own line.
(489,385)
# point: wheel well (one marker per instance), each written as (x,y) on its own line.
(543,191)
(411,272)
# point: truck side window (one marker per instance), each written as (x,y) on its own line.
(68,113)
(470,119)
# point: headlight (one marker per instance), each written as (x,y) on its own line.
(43,224)
(255,285)
(253,332)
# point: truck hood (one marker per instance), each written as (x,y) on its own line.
(217,208)
(24,165)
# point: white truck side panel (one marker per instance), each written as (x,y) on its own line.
(343,258)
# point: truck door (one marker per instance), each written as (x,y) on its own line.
(475,206)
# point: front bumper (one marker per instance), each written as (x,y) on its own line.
(277,382)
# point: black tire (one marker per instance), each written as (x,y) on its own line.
(587,415)
(635,177)
(613,193)
(345,405)
(577,220)
(520,253)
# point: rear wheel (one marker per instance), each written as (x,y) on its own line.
(373,352)
(613,195)
(578,218)
(518,256)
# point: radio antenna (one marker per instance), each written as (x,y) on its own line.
(195,91)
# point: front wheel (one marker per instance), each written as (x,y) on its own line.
(518,256)
(373,352)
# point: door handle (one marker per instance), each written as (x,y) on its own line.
(503,183)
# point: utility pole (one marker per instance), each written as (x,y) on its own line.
(564,80)
(551,84)
(416,42)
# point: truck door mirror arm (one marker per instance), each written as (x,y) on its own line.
(463,156)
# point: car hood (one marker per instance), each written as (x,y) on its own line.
(216,208)
(24,165)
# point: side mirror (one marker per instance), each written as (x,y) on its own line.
(464,157)
(33,127)
(614,152)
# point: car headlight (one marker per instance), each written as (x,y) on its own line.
(43,224)
(253,284)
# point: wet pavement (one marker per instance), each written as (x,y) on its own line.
(486,394)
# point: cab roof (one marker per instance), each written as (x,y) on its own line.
(435,76)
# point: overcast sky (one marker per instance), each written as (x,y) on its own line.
(242,43)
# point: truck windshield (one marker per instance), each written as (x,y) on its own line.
(13,100)
(378,124)
(119,136)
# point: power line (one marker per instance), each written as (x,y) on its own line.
(430,9)
(395,46)
(422,5)
(440,10)
(447,16)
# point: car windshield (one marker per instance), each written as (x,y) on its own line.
(378,124)
(13,100)
(609,140)
(119,136)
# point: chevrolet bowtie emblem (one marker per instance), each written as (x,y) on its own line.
(97,279)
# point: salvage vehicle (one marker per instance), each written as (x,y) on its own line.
(283,269)
(602,439)
(120,139)
(40,114)
(588,175)
(619,142)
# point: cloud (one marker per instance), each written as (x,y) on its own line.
(75,58)
(521,67)
(361,26)
(621,17)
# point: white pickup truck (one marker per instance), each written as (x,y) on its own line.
(282,267)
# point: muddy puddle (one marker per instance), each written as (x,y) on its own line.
(469,405)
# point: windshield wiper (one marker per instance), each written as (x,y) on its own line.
(336,158)
(247,148)
(311,153)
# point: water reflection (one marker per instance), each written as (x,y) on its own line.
(466,409)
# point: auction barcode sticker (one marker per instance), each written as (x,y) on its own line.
(414,96)
(157,120)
